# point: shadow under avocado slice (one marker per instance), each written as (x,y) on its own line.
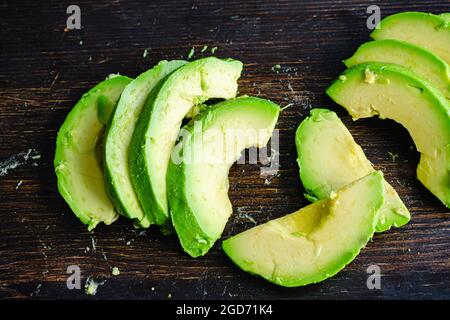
(78,149)
(315,242)
(329,158)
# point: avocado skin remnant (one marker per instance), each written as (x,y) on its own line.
(329,158)
(78,153)
(402,96)
(160,121)
(315,242)
(197,182)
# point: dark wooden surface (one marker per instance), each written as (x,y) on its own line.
(44,71)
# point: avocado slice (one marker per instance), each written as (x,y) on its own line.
(118,139)
(197,181)
(424,29)
(415,58)
(393,92)
(445,16)
(313,243)
(329,158)
(159,124)
(78,153)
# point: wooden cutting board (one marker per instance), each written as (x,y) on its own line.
(43,72)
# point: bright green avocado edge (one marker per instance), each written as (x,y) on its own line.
(183,218)
(91,99)
(140,172)
(436,97)
(418,55)
(156,74)
(390,209)
(347,257)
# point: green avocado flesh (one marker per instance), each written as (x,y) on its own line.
(159,124)
(392,92)
(313,243)
(426,30)
(329,158)
(118,139)
(197,178)
(78,153)
(445,16)
(424,63)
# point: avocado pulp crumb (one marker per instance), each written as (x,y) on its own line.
(91,286)
(19,184)
(369,76)
(115,271)
(276,68)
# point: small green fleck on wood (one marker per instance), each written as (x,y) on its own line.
(115,271)
(276,68)
(191,53)
(393,156)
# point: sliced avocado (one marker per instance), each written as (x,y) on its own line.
(329,158)
(158,127)
(393,92)
(445,16)
(78,156)
(313,243)
(118,139)
(197,177)
(423,29)
(415,58)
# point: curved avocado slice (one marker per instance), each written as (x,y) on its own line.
(197,180)
(329,158)
(393,92)
(78,153)
(424,29)
(159,124)
(313,243)
(421,61)
(445,16)
(118,139)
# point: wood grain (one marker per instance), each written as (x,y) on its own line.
(44,71)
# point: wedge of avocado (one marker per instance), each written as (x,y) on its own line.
(158,127)
(197,178)
(415,58)
(424,29)
(313,243)
(329,158)
(445,16)
(118,139)
(393,92)
(78,153)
